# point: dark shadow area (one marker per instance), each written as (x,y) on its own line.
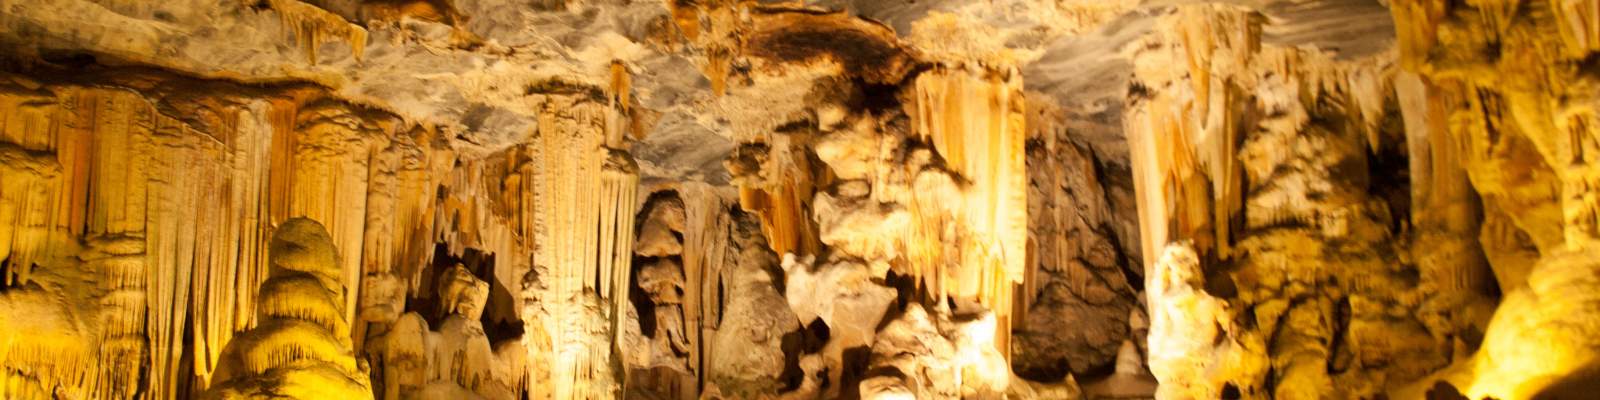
(1444,391)
(500,320)
(1230,392)
(1583,384)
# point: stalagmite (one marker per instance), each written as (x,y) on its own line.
(1538,343)
(301,347)
(732,199)
(852,316)
(458,357)
(1127,380)
(936,359)
(745,354)
(1187,326)
(926,361)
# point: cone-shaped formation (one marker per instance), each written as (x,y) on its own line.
(300,348)
(734,199)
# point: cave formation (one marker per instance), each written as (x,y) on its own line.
(818,199)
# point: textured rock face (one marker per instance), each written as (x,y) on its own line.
(938,199)
(301,347)
(1269,161)
(1327,279)
(1081,274)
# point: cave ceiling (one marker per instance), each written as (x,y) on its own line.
(472,66)
(817,199)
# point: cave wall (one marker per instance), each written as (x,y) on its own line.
(172,186)
(1347,223)
(734,199)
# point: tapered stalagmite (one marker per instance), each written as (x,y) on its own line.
(1190,351)
(1329,199)
(301,347)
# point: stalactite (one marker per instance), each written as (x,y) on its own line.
(705,248)
(582,190)
(1178,140)
(1519,127)
(234,246)
(333,146)
(975,122)
(621,87)
(312,26)
(776,181)
(179,239)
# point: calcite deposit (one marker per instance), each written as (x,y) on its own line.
(805,199)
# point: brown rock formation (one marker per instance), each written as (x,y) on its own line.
(300,349)
(819,199)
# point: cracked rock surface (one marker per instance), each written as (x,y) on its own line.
(812,199)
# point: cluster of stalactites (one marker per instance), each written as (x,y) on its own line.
(312,26)
(123,186)
(172,210)
(719,37)
(974,119)
(581,196)
(39,161)
(1192,108)
(42,162)
(1534,90)
(777,181)
(1233,146)
(1505,84)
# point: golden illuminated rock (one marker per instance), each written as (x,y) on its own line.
(733,199)
(300,348)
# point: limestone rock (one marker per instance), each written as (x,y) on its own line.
(1538,343)
(302,348)
(569,199)
(750,357)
